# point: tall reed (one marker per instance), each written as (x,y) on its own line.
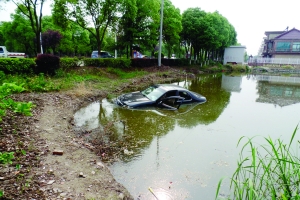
(270,171)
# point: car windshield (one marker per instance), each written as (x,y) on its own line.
(153,93)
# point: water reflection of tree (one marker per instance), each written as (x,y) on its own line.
(209,86)
(141,128)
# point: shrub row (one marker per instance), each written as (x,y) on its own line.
(107,62)
(48,64)
(17,65)
(154,62)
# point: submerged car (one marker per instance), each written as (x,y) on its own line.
(168,96)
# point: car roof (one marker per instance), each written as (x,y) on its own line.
(168,87)
(100,51)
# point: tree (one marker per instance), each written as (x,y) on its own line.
(18,34)
(208,33)
(194,26)
(75,40)
(139,24)
(51,39)
(100,14)
(171,26)
(33,10)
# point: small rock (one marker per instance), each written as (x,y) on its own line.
(58,152)
(100,164)
(93,172)
(1,178)
(63,194)
(56,190)
(121,196)
(50,182)
(81,175)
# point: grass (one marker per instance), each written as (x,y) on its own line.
(126,75)
(270,171)
(93,78)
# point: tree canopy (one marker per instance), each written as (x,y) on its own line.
(86,25)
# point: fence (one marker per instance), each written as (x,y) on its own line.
(276,61)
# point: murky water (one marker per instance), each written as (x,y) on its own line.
(183,154)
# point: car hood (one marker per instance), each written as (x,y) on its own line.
(133,99)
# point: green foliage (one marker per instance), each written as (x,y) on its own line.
(68,63)
(6,103)
(287,67)
(47,64)
(8,88)
(18,34)
(40,84)
(125,75)
(139,24)
(172,26)
(16,65)
(107,62)
(6,158)
(156,55)
(266,171)
(240,68)
(182,62)
(81,12)
(207,32)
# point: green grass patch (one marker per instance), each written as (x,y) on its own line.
(125,75)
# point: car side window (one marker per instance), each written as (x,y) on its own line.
(171,93)
(185,95)
(1,50)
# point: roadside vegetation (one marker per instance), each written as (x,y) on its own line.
(126,26)
(266,171)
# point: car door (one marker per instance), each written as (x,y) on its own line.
(171,100)
(184,94)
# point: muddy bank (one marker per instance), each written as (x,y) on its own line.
(51,160)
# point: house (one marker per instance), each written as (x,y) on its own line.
(282,44)
(234,55)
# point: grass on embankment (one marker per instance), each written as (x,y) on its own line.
(82,78)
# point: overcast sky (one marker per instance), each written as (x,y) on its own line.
(250,18)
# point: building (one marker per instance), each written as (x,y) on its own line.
(234,55)
(282,44)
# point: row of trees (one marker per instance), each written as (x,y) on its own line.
(78,27)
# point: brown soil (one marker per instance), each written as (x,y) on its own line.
(53,161)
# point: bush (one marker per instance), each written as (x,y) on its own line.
(47,64)
(107,62)
(288,67)
(239,68)
(17,65)
(69,63)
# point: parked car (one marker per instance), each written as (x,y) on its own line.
(6,54)
(103,54)
(168,96)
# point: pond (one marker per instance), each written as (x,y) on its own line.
(183,154)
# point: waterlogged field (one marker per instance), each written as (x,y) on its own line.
(183,154)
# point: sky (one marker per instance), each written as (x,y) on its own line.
(249,18)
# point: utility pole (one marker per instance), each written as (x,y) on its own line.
(160,32)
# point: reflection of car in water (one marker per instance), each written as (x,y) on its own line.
(161,95)
(182,112)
